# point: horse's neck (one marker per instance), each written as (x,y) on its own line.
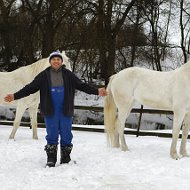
(38,66)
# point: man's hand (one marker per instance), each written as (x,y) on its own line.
(102,92)
(9,98)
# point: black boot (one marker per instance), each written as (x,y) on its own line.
(65,154)
(51,150)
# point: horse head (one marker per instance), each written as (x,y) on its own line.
(66,61)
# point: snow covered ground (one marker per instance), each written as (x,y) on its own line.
(147,166)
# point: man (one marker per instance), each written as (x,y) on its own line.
(57,88)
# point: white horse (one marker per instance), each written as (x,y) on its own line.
(161,90)
(10,82)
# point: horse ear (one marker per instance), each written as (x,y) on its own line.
(63,53)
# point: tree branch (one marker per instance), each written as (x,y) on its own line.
(122,20)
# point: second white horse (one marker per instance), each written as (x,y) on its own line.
(161,90)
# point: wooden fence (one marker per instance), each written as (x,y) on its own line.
(100,109)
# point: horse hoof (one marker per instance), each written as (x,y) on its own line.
(11,138)
(116,146)
(185,155)
(124,149)
(175,156)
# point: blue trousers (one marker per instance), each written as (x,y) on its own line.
(58,123)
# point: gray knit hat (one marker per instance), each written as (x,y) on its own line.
(55,54)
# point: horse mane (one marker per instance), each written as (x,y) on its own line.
(42,64)
(38,66)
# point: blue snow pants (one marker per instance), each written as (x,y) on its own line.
(58,123)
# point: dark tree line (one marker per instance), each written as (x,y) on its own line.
(102,35)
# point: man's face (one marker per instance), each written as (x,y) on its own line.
(56,62)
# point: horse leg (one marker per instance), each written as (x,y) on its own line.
(33,119)
(19,113)
(185,132)
(116,136)
(120,124)
(123,113)
(178,119)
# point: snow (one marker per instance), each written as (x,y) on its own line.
(6,112)
(147,166)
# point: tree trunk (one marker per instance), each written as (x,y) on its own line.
(48,42)
(5,31)
(6,39)
(133,47)
(106,36)
(182,32)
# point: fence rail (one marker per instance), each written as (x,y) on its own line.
(140,111)
(100,109)
(134,110)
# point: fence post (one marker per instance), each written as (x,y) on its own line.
(139,123)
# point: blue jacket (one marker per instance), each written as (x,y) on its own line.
(42,82)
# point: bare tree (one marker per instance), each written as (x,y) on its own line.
(108,28)
(152,12)
(5,12)
(48,15)
(166,30)
(185,28)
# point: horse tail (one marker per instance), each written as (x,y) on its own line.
(110,114)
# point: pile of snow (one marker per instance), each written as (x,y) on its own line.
(6,113)
(147,166)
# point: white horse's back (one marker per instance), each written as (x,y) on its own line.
(150,88)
